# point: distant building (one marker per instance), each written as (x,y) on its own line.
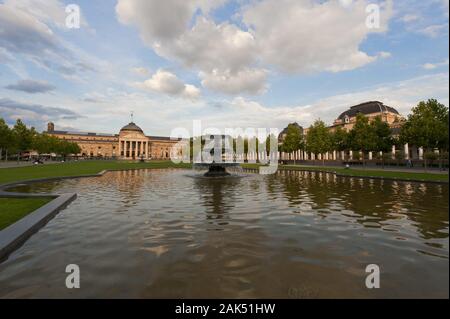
(371,110)
(130,143)
(347,121)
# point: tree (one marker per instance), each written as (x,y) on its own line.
(6,138)
(293,140)
(383,137)
(339,140)
(318,140)
(362,137)
(271,141)
(427,126)
(23,136)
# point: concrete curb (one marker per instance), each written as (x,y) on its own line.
(14,236)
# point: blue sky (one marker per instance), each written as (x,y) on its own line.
(229,63)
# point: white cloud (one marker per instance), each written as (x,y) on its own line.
(303,36)
(408,18)
(232,58)
(432,66)
(159,20)
(434,31)
(47,11)
(251,81)
(141,71)
(26,32)
(384,54)
(168,83)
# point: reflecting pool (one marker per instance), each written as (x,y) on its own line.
(171,234)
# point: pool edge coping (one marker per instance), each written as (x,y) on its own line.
(15,235)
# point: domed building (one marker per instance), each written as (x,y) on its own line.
(371,110)
(130,144)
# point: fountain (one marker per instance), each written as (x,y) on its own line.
(221,154)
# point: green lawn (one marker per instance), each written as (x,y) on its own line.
(8,175)
(415,176)
(13,209)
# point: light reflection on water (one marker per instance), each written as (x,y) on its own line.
(164,233)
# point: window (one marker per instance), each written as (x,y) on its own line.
(347,119)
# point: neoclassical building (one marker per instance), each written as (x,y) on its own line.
(131,143)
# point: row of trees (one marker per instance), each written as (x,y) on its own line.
(20,139)
(426,127)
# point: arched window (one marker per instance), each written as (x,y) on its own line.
(347,119)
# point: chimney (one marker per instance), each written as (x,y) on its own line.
(50,127)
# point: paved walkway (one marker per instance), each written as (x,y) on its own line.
(12,164)
(386,169)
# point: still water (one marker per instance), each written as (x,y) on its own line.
(173,234)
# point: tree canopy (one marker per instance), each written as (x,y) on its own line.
(427,126)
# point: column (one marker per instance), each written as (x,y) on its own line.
(421,153)
(351,155)
(407,151)
(370,156)
(120,148)
(393,151)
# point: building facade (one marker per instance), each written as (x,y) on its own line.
(130,144)
(347,120)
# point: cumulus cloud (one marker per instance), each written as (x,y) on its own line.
(168,83)
(232,58)
(34,114)
(251,81)
(31,86)
(303,36)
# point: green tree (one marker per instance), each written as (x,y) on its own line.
(293,140)
(23,137)
(427,126)
(339,140)
(319,140)
(362,137)
(271,140)
(383,137)
(6,138)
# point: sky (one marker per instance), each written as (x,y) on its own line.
(228,63)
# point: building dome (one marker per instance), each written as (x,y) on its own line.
(132,127)
(366,109)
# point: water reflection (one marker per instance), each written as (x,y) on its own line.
(373,203)
(164,233)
